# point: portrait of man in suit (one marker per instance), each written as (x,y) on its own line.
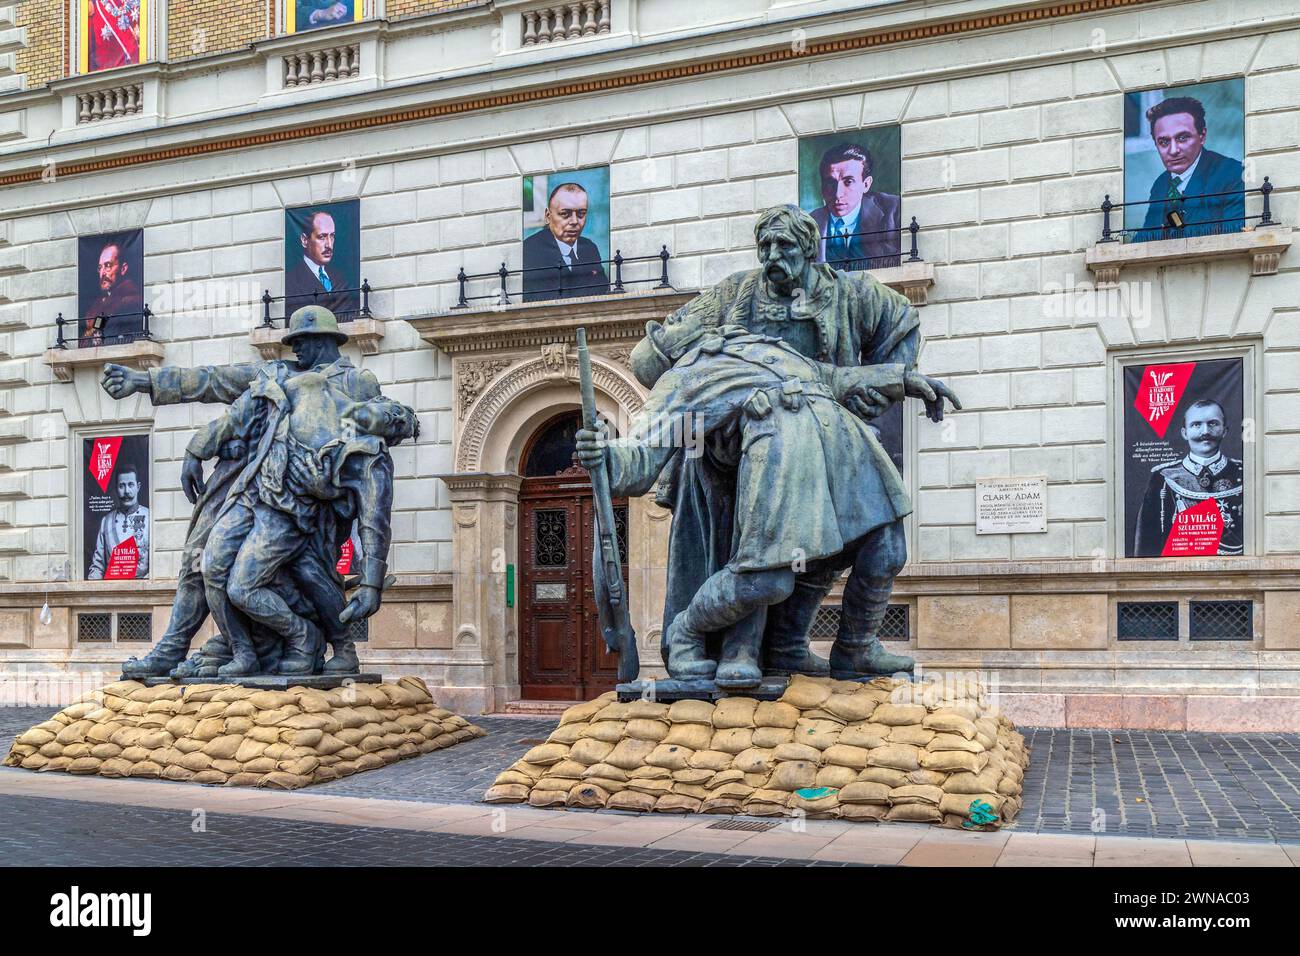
(849,183)
(1197,190)
(559,261)
(314,272)
(109,270)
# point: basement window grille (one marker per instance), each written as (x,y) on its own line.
(1146,620)
(826,624)
(135,627)
(94,628)
(895,625)
(359,631)
(1221,620)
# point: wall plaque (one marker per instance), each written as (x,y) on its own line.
(1011,505)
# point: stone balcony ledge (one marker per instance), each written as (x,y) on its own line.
(366,334)
(1263,245)
(143,354)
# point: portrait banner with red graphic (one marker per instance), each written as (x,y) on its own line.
(115,525)
(1184,480)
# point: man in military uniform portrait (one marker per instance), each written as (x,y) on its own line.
(1205,473)
(119,302)
(128,519)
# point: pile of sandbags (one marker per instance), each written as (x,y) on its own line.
(237,736)
(884,750)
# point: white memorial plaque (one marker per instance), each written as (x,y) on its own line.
(1011,505)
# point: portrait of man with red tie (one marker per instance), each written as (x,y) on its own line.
(322,258)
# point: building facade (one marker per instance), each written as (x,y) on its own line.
(206,148)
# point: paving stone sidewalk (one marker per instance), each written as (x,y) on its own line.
(1117,783)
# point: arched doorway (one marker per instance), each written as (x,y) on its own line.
(562,654)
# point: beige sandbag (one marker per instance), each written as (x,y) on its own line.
(588,751)
(692,775)
(721,805)
(776,714)
(115,767)
(914,813)
(953,761)
(627,800)
(912,734)
(630,754)
(954,742)
(670,757)
(755,760)
(711,760)
(862,812)
(543,754)
(587,796)
(896,715)
(805,693)
(581,713)
(835,777)
(732,740)
(606,770)
(797,751)
(866,735)
(642,728)
(850,707)
(842,755)
(895,757)
(863,791)
(677,803)
(691,712)
(915,793)
(950,722)
(792,775)
(768,738)
(84,765)
(961,803)
(826,805)
(693,736)
(610,731)
(734,712)
(35,737)
(564,734)
(971,783)
(889,777)
(817,733)
(929,778)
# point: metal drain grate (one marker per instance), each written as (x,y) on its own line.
(755,826)
(1220,620)
(1146,620)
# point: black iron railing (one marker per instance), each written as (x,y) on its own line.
(528,291)
(94,330)
(293,302)
(875,240)
(1176,224)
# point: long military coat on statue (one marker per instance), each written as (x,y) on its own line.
(844,319)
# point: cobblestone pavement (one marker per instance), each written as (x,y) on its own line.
(44,832)
(1122,783)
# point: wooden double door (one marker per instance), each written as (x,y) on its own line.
(562,651)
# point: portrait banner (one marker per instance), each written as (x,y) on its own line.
(313,14)
(112,33)
(322,258)
(566,235)
(110,288)
(851,184)
(1183,153)
(115,524)
(1184,480)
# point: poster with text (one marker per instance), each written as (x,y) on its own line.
(1183,152)
(115,524)
(112,33)
(322,258)
(314,14)
(1184,482)
(851,184)
(110,287)
(566,235)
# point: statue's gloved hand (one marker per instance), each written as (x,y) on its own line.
(365,602)
(590,445)
(862,389)
(932,392)
(192,478)
(120,381)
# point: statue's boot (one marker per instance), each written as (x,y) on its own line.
(244,664)
(345,660)
(160,661)
(738,669)
(785,646)
(687,659)
(866,659)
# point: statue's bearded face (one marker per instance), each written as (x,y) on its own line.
(783,258)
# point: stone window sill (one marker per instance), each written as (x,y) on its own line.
(1263,246)
(144,354)
(363,333)
(913,279)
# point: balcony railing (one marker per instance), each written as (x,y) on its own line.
(99,330)
(1179,220)
(535,285)
(329,299)
(565,21)
(886,244)
(110,102)
(322,66)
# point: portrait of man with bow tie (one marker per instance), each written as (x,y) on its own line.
(1185,484)
(322,259)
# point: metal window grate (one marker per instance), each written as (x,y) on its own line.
(1146,620)
(1221,620)
(894,626)
(359,631)
(135,627)
(826,623)
(94,628)
(754,826)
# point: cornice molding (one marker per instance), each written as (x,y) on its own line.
(784,53)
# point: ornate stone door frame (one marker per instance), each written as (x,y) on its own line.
(512,369)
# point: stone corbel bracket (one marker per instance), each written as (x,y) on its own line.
(144,354)
(913,279)
(365,334)
(1263,245)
